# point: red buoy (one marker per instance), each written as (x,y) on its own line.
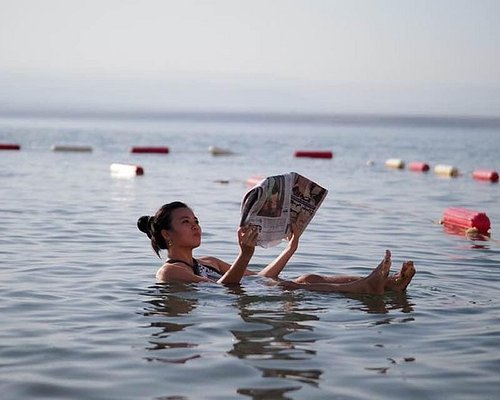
(485,175)
(313,154)
(149,149)
(464,219)
(9,146)
(418,166)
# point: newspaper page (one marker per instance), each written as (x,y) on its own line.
(279,201)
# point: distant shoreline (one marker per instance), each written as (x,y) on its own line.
(482,122)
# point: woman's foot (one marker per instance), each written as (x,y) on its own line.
(400,281)
(376,281)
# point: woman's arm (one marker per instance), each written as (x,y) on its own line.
(276,266)
(247,239)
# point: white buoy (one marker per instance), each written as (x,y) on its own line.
(395,163)
(126,170)
(446,170)
(75,148)
(219,151)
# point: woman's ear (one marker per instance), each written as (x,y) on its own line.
(165,235)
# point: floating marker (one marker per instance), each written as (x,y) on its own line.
(485,175)
(313,154)
(75,148)
(254,180)
(464,220)
(395,163)
(126,169)
(418,166)
(219,151)
(9,146)
(445,170)
(149,149)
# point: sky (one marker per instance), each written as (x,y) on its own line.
(352,56)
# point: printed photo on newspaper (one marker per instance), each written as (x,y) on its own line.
(279,201)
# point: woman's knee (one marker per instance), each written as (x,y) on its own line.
(309,278)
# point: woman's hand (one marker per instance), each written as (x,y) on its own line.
(293,238)
(247,238)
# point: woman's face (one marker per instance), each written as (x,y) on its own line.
(185,231)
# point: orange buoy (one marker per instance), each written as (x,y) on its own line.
(9,146)
(254,180)
(126,169)
(313,154)
(418,166)
(485,175)
(464,219)
(395,163)
(149,149)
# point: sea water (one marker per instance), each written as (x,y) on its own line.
(84,318)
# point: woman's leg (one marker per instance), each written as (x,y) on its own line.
(397,282)
(371,284)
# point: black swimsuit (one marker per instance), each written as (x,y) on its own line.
(206,271)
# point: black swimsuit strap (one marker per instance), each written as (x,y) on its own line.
(195,267)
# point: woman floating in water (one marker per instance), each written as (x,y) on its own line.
(175,228)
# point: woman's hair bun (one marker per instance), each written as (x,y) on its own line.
(144,224)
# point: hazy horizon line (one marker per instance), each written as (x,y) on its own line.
(249,116)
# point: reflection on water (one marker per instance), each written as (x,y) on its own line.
(172,300)
(266,394)
(275,333)
(169,301)
(277,317)
(469,234)
(267,323)
(382,304)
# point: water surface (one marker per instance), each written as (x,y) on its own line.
(84,318)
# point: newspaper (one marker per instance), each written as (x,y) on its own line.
(277,202)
